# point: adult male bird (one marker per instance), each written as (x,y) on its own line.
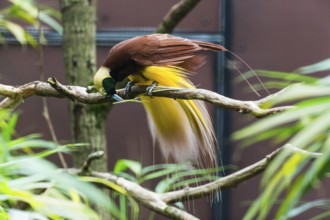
(182,128)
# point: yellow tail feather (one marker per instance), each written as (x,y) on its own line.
(182,128)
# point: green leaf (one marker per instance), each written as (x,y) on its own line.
(194,180)
(123,165)
(161,173)
(301,91)
(110,184)
(3,214)
(15,29)
(280,119)
(64,208)
(312,131)
(305,182)
(34,143)
(163,185)
(185,177)
(322,216)
(30,12)
(155,167)
(294,172)
(308,205)
(21,160)
(30,39)
(19,214)
(287,159)
(123,209)
(16,12)
(26,5)
(45,18)
(9,130)
(50,11)
(323,65)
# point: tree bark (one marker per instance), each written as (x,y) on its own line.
(87,121)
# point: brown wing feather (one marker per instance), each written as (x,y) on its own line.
(209,46)
(164,49)
(156,49)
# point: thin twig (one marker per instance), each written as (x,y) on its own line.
(65,90)
(93,156)
(295,149)
(45,111)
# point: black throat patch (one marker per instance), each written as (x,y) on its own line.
(109,85)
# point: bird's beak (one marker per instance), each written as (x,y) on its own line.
(116,98)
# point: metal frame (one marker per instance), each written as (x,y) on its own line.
(112,37)
(222,127)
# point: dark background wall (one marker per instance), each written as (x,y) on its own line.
(279,35)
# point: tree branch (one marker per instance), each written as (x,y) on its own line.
(161,202)
(145,197)
(175,15)
(16,95)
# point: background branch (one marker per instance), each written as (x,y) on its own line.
(93,156)
(15,95)
(175,15)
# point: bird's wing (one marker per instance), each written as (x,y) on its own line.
(163,49)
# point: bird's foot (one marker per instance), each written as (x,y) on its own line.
(128,89)
(151,87)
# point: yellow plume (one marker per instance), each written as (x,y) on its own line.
(182,128)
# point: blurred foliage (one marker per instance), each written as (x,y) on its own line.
(33,187)
(30,13)
(166,177)
(304,132)
(30,185)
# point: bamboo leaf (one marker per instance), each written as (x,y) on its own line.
(323,65)
(309,205)
(45,18)
(15,29)
(123,165)
(105,182)
(310,132)
(324,215)
(280,119)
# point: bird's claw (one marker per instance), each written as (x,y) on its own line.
(128,89)
(150,88)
